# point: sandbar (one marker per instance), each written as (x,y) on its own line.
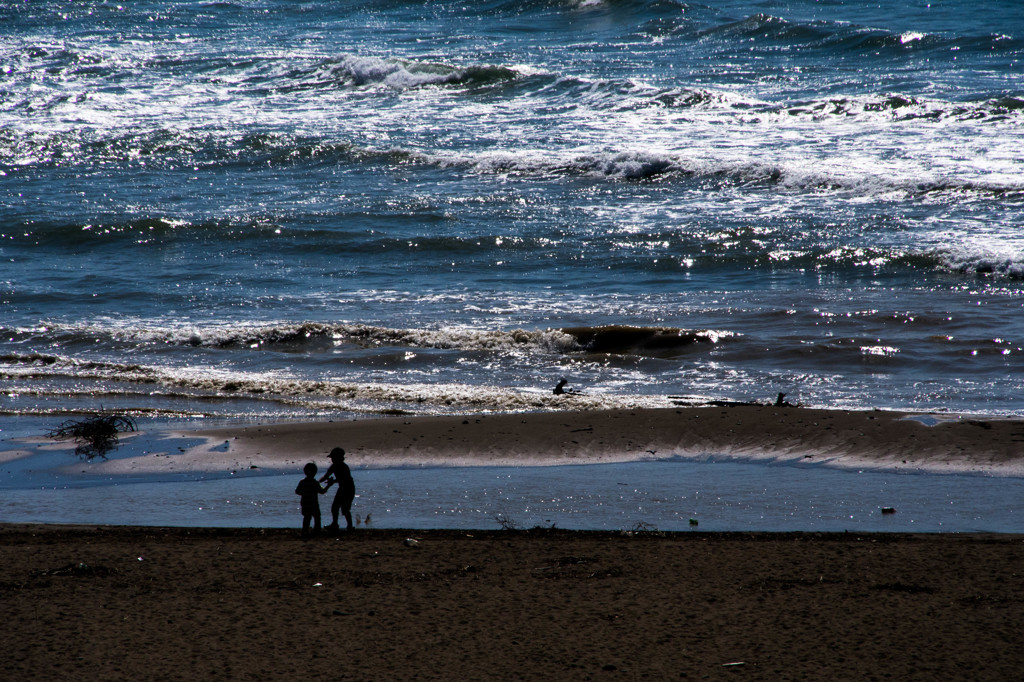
(875,439)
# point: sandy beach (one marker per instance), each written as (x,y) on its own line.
(548,272)
(872,439)
(124,602)
(167,604)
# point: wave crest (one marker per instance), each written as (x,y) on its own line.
(613,339)
(394,73)
(1009,266)
(624,339)
(327,396)
(668,165)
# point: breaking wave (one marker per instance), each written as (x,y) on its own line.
(972,262)
(612,339)
(838,38)
(204,384)
(666,166)
(170,149)
(401,74)
(623,339)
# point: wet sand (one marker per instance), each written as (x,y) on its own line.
(879,439)
(168,604)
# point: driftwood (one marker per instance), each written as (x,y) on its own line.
(96,435)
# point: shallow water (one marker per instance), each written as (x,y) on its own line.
(720,495)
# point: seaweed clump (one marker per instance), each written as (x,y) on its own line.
(96,435)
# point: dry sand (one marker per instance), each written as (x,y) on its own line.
(881,439)
(87,603)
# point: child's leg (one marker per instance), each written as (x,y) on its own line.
(346,509)
(335,508)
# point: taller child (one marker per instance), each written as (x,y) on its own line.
(346,488)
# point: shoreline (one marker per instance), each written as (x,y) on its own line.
(103,602)
(733,467)
(880,440)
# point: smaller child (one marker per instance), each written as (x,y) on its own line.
(307,490)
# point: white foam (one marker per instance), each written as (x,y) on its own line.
(880,351)
(276,386)
(972,260)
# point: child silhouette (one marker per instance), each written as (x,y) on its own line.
(308,489)
(339,473)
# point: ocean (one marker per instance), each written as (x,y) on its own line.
(261,209)
(216,212)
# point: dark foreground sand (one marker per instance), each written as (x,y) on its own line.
(145,603)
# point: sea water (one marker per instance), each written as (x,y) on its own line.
(672,495)
(265,209)
(49,484)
